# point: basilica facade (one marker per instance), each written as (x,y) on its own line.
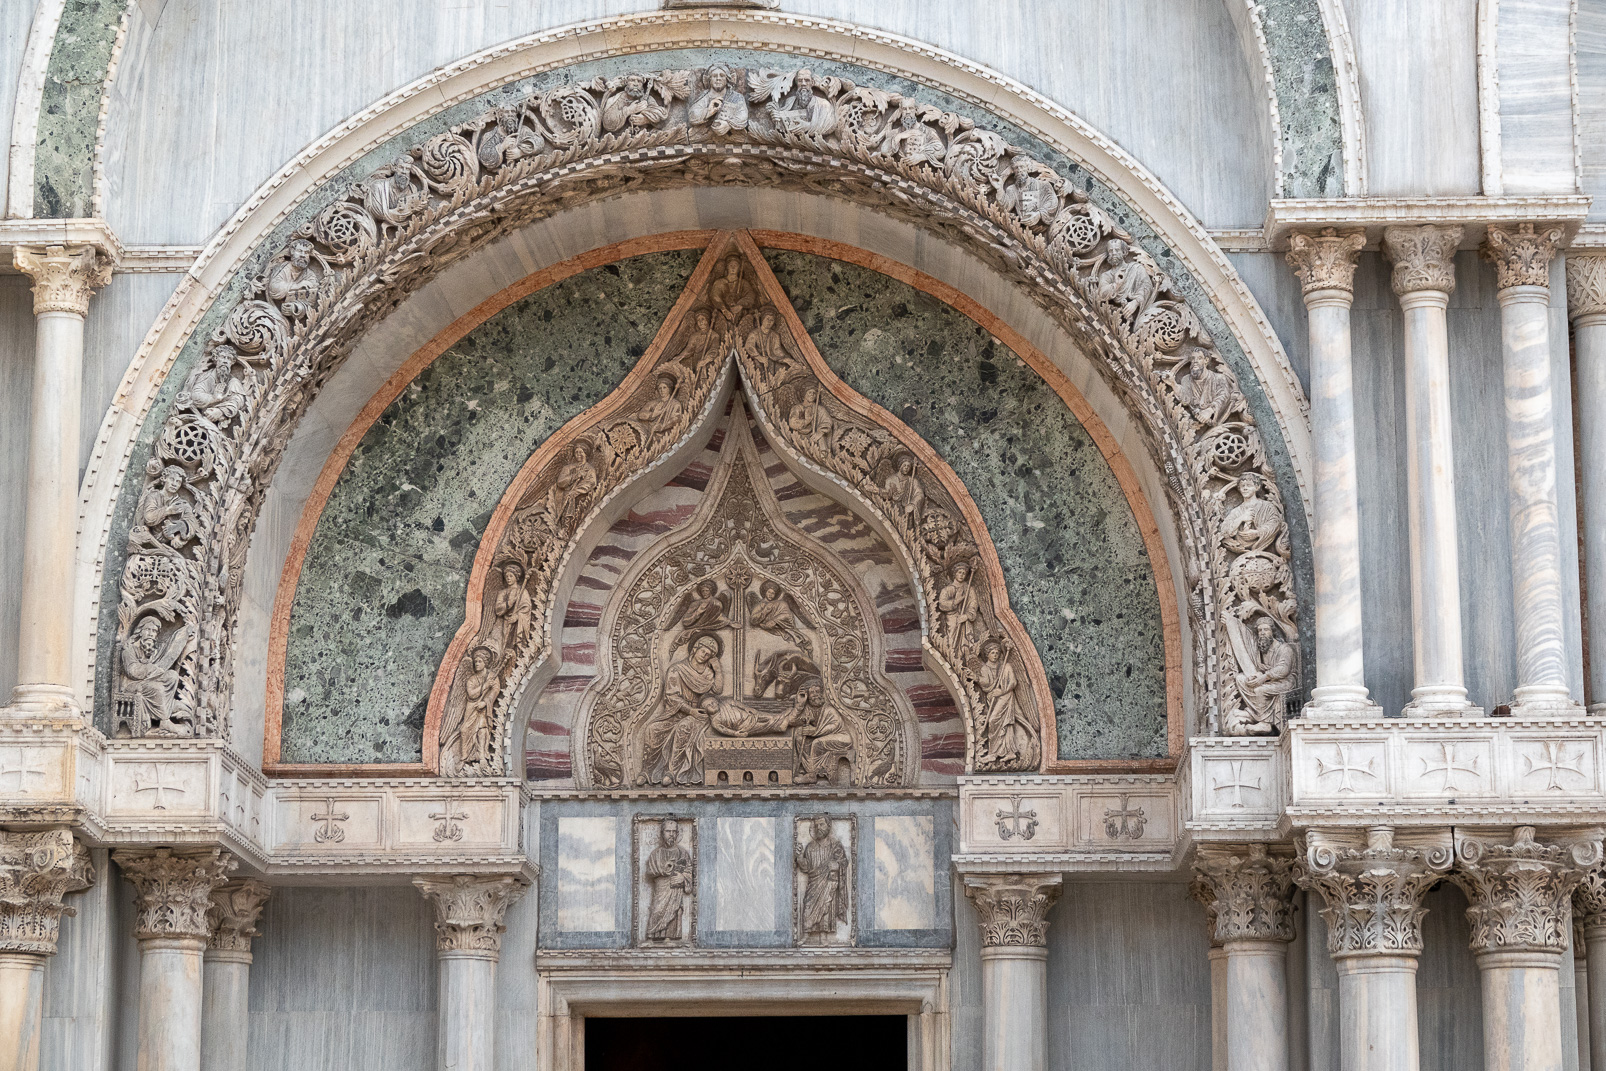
(638,534)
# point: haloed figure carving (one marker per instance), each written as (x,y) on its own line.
(823,863)
(687,680)
(668,872)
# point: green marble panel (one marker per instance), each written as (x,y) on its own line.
(382,586)
(69,107)
(1302,76)
(1078,574)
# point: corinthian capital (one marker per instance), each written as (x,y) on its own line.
(469,911)
(1423,257)
(1518,893)
(1586,285)
(1325,261)
(1013,907)
(36,871)
(173,889)
(1589,901)
(1253,891)
(236,907)
(1520,256)
(63,279)
(1373,891)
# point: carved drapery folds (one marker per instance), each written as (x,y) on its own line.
(1521,256)
(173,889)
(1247,892)
(469,911)
(1423,257)
(1325,261)
(532,156)
(36,871)
(1519,893)
(1013,908)
(1373,890)
(63,279)
(236,907)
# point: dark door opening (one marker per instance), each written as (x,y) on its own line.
(771,1042)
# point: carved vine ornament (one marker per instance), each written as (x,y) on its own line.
(525,160)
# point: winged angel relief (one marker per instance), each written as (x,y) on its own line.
(743,653)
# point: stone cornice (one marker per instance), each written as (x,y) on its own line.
(36,871)
(1013,907)
(469,911)
(1375,214)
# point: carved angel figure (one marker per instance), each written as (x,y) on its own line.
(811,426)
(149,681)
(668,871)
(686,681)
(770,350)
(732,297)
(570,495)
(1267,672)
(1008,734)
(468,735)
(823,862)
(631,101)
(701,609)
(1209,396)
(660,418)
(720,107)
(702,341)
(163,508)
(903,494)
(958,615)
(515,613)
(1254,523)
(777,613)
(802,111)
(293,283)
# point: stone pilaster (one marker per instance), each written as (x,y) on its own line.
(1586,306)
(469,913)
(225,1001)
(36,871)
(1013,910)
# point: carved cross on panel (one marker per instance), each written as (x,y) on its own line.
(1010,822)
(448,821)
(1124,821)
(329,829)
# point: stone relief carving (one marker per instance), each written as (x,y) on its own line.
(173,889)
(1013,907)
(1372,890)
(36,871)
(469,911)
(824,848)
(1519,894)
(1423,257)
(364,252)
(666,880)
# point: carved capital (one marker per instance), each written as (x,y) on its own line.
(1253,891)
(36,871)
(1205,894)
(1521,257)
(173,889)
(63,279)
(1325,261)
(236,907)
(1423,257)
(1586,285)
(1373,890)
(1589,901)
(1013,907)
(469,911)
(1518,894)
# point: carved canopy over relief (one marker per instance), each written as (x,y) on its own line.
(742,651)
(391,232)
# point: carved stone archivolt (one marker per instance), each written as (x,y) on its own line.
(36,871)
(1519,891)
(173,889)
(359,256)
(469,912)
(1373,889)
(1013,908)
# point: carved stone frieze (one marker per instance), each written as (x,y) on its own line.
(1013,907)
(236,907)
(469,911)
(1423,257)
(63,279)
(1586,285)
(1325,260)
(173,889)
(1521,256)
(36,871)
(1372,891)
(1251,892)
(1519,893)
(530,157)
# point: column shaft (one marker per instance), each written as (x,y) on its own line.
(225,1010)
(1218,1008)
(1581,1000)
(1377,1013)
(1586,303)
(1257,1005)
(22,999)
(1596,939)
(1521,1010)
(467,1012)
(1014,985)
(170,1004)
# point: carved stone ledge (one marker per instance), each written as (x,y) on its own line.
(236,907)
(1519,893)
(1373,888)
(1252,891)
(1110,815)
(36,871)
(1521,256)
(1423,257)
(1586,285)
(174,889)
(1325,260)
(1013,907)
(469,911)
(63,278)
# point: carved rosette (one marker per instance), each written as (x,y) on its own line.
(1251,892)
(1325,260)
(236,907)
(173,889)
(1521,256)
(1373,892)
(63,279)
(1013,907)
(1519,894)
(361,255)
(36,871)
(1423,257)
(469,911)
(1586,285)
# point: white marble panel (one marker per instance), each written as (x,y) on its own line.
(905,872)
(744,874)
(587,882)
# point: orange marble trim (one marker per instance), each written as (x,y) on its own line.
(312,511)
(1170,625)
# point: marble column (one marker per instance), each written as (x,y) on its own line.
(1519,895)
(173,897)
(468,940)
(36,871)
(1014,966)
(1586,304)
(1521,258)
(1202,892)
(225,1014)
(1581,991)
(1424,277)
(1254,921)
(1372,890)
(1589,917)
(1325,264)
(63,280)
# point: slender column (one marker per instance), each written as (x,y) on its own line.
(1325,264)
(1373,895)
(1014,966)
(1424,276)
(1254,922)
(63,280)
(1518,897)
(468,940)
(1522,270)
(173,896)
(36,871)
(1589,916)
(1586,304)
(225,1013)
(1581,992)
(1201,891)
